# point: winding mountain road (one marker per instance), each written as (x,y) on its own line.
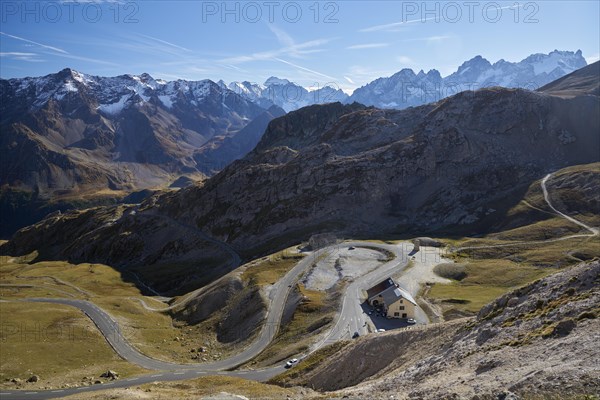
(171,371)
(593,230)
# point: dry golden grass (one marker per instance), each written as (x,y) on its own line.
(56,342)
(153,333)
(198,388)
(268,270)
(494,271)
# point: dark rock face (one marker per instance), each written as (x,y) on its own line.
(368,170)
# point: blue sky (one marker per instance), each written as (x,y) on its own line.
(341,43)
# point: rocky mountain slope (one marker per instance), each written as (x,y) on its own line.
(221,151)
(583,81)
(72,135)
(70,130)
(407,88)
(457,165)
(535,342)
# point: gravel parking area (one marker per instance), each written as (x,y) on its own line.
(344,263)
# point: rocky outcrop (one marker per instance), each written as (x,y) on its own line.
(110,374)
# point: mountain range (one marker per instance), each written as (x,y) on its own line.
(455,165)
(286,94)
(73,140)
(73,135)
(407,88)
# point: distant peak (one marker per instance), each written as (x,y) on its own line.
(478,60)
(276,81)
(434,73)
(66,73)
(404,72)
(146,77)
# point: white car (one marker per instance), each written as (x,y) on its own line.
(411,321)
(380,330)
(291,363)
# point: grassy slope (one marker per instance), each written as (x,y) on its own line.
(494,271)
(256,274)
(268,270)
(55,342)
(154,333)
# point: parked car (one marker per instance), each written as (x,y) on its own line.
(351,248)
(380,330)
(356,334)
(291,363)
(411,321)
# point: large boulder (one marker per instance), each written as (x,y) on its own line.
(110,375)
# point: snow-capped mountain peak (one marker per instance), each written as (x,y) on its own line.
(405,88)
(112,95)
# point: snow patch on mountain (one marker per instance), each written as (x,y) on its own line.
(166,100)
(116,107)
(70,86)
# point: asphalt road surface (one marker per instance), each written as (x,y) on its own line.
(352,317)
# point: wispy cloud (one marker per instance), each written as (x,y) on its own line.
(289,49)
(404,60)
(394,25)
(31,57)
(312,71)
(81,58)
(385,27)
(428,39)
(367,46)
(349,80)
(175,46)
(235,67)
(282,37)
(45,46)
(48,51)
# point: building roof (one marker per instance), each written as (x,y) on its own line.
(380,287)
(392,295)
